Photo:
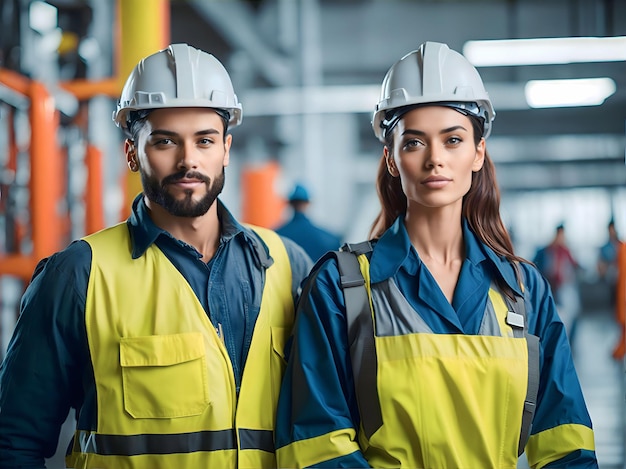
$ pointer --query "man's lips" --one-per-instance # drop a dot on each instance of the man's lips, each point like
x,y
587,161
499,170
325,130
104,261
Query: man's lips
x,y
187,183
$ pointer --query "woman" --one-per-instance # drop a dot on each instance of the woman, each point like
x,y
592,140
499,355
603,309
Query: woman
x,y
452,371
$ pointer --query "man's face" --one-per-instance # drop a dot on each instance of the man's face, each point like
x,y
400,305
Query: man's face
x,y
182,153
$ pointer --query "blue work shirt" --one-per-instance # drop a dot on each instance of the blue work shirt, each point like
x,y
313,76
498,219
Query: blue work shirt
x,y
318,397
315,240
48,369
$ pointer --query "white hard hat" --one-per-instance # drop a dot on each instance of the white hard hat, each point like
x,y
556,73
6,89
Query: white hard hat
x,y
179,76
431,74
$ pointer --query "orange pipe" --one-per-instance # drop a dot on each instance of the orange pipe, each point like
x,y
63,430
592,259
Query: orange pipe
x,y
261,205
15,81
94,213
11,165
46,173
46,176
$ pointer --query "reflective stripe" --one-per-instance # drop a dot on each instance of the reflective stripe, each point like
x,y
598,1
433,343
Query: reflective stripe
x,y
554,443
312,451
394,315
495,324
256,439
133,445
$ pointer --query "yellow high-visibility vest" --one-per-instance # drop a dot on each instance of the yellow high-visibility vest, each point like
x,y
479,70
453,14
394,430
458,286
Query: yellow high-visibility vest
x,y
165,387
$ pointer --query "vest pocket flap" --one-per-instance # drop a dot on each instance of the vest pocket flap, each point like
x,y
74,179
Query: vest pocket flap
x,y
161,350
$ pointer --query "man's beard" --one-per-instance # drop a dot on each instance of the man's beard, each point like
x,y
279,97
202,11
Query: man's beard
x,y
157,192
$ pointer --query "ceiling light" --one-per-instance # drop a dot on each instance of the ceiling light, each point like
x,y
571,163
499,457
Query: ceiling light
x,y
567,93
558,50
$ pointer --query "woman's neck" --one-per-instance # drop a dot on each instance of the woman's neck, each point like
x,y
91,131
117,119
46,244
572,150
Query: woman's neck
x,y
437,236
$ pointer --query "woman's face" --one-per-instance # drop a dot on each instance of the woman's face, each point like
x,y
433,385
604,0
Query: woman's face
x,y
434,155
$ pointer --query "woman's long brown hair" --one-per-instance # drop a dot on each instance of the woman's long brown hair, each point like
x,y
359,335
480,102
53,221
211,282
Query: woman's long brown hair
x,y
481,205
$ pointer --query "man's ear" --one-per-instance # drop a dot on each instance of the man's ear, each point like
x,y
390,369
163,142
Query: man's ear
x,y
131,155
227,143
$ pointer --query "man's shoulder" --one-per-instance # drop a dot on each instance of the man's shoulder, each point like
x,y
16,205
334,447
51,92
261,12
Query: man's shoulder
x,y
76,257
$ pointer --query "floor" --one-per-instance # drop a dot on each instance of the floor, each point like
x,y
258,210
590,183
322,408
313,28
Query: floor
x,y
603,381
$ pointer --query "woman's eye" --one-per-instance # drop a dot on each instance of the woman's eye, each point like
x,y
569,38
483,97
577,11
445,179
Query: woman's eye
x,y
454,140
412,143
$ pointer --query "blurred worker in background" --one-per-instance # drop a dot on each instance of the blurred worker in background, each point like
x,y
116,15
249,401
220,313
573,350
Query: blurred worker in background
x,y
558,265
607,260
315,240
462,349
166,332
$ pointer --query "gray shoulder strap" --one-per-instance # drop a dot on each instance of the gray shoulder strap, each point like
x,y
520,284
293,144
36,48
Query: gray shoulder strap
x,y
360,336
516,318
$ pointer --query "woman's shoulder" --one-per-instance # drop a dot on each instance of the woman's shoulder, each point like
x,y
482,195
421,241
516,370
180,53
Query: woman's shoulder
x,y
532,277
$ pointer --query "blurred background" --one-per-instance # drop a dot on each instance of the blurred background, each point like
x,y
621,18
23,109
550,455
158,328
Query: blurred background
x,y
308,74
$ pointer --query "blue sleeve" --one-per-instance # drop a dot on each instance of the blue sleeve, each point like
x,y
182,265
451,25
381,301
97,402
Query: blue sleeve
x,y
41,375
300,262
317,396
561,407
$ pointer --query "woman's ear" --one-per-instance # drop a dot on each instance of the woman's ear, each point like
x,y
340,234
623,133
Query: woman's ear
x,y
479,158
391,164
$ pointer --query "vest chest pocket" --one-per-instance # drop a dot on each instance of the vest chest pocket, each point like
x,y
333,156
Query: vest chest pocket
x,y
164,376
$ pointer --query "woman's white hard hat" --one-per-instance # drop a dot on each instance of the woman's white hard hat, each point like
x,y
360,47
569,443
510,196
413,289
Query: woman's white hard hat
x,y
179,76
432,74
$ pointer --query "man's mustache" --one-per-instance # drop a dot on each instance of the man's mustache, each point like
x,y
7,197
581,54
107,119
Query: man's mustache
x,y
173,178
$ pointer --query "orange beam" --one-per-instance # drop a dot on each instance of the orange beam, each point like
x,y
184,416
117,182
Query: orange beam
x,y
87,89
18,265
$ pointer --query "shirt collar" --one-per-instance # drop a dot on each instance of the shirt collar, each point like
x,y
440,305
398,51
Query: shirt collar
x,y
393,250
478,252
144,232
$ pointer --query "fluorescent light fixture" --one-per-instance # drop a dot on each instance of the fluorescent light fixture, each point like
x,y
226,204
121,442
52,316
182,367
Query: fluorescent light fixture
x,y
541,51
568,93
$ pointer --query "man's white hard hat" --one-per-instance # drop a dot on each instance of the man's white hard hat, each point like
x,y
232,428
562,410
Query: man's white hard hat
x,y
179,76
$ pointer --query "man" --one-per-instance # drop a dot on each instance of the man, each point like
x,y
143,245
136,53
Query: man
x,y
607,260
558,265
166,332
315,240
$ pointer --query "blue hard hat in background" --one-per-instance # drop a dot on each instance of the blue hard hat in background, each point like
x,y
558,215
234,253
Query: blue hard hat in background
x,y
299,193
